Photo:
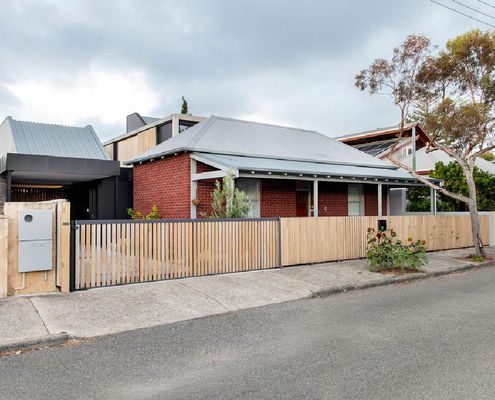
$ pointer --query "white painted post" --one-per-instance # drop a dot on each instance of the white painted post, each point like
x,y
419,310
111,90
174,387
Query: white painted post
x,y
380,211
175,125
194,188
315,198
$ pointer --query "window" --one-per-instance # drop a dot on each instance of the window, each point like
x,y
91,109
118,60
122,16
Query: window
x,y
183,125
252,189
356,200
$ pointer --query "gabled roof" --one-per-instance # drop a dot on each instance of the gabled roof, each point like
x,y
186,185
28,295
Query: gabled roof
x,y
230,136
34,138
373,132
425,161
382,147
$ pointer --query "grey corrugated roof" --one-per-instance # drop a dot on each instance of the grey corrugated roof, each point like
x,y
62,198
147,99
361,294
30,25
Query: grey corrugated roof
x,y
302,167
236,137
54,140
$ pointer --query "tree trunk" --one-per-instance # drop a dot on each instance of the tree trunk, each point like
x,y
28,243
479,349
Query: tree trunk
x,y
475,218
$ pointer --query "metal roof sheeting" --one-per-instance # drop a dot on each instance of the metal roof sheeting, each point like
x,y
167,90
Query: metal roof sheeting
x,y
266,165
55,140
244,138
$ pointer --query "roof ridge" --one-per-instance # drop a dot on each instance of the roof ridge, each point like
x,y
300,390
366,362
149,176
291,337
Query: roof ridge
x,y
202,130
268,124
386,128
48,123
97,140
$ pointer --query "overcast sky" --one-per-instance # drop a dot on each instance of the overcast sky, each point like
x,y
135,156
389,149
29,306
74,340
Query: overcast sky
x,y
285,62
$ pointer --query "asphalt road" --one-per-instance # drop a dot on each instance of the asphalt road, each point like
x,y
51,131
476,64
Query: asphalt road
x,y
431,339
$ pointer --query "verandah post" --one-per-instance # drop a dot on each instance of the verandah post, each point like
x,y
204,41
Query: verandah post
x,y
315,198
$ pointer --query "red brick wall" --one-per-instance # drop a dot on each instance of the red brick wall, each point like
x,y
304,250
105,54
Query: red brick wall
x,y
371,200
166,183
332,199
201,167
277,198
203,192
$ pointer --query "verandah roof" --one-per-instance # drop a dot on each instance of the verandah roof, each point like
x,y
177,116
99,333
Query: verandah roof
x,y
323,170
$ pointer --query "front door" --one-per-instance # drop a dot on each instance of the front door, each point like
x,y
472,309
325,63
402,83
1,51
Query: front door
x,y
302,203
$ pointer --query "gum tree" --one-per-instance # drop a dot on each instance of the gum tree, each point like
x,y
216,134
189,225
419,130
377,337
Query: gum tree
x,y
452,93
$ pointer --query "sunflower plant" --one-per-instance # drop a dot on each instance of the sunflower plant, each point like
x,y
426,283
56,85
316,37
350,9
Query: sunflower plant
x,y
387,252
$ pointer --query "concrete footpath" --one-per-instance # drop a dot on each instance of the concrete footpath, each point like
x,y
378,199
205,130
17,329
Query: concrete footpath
x,y
54,317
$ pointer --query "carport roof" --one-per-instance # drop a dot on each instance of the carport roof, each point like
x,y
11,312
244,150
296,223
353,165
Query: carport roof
x,y
35,138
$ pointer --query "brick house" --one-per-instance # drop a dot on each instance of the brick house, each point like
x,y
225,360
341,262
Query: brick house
x,y
286,172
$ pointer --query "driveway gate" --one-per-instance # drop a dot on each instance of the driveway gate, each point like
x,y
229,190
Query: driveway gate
x,y
117,252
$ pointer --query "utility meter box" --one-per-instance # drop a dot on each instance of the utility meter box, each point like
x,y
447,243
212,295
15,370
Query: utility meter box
x,y
35,240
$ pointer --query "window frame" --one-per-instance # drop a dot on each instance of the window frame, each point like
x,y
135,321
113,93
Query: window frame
x,y
360,202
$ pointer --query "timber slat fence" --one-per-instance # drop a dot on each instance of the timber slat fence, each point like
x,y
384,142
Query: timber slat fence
x,y
310,240
118,252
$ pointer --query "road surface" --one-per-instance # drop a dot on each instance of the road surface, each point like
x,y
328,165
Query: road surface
x,y
431,339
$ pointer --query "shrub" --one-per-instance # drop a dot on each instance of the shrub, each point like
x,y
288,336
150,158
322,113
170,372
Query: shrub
x,y
154,214
228,201
386,252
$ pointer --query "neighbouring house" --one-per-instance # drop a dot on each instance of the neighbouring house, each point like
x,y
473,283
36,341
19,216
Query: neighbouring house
x,y
381,142
40,162
144,133
412,150
426,160
286,172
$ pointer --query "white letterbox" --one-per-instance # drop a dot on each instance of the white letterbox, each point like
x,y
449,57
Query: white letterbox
x,y
35,240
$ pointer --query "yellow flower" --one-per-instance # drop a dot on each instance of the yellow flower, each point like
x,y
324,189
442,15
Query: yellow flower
x,y
409,239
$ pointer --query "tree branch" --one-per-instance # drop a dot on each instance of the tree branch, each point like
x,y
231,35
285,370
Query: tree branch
x,y
483,151
428,183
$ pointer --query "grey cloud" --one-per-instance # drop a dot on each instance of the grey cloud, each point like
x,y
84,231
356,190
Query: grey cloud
x,y
227,57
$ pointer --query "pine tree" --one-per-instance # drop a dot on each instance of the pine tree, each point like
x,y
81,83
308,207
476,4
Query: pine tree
x,y
184,109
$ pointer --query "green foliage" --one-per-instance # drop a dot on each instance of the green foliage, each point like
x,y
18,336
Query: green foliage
x,y
477,258
455,181
184,108
418,199
386,252
451,92
228,201
457,96
154,214
134,214
488,156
